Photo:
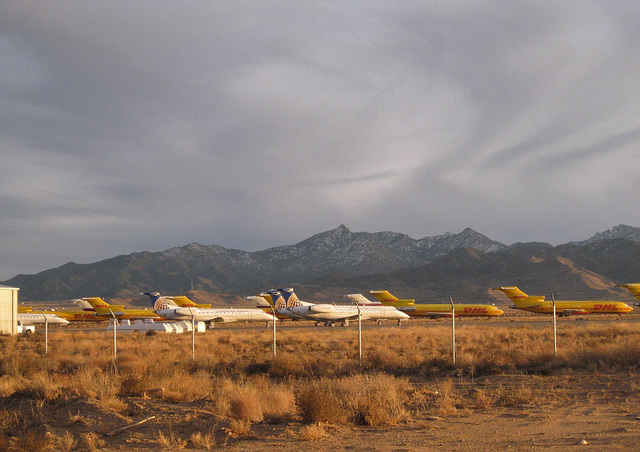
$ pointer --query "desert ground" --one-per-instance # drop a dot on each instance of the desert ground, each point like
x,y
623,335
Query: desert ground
x,y
507,391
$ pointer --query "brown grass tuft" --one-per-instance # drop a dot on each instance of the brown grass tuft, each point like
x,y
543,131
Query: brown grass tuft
x,y
170,440
245,405
66,442
238,427
205,441
312,432
318,402
93,441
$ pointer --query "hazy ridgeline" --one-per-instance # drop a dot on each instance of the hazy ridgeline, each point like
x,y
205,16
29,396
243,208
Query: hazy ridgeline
x,y
406,371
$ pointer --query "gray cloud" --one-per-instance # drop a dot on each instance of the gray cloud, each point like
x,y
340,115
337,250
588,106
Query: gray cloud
x,y
143,126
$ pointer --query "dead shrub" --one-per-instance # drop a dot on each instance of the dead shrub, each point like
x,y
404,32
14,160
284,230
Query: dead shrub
x,y
438,399
312,432
278,405
93,383
373,400
41,386
289,365
93,441
205,441
481,400
519,395
181,386
238,427
318,402
29,442
170,440
65,443
245,405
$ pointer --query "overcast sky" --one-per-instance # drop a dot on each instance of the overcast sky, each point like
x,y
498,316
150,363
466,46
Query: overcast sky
x,y
141,126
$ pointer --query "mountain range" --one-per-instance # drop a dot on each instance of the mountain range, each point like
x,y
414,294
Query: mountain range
x,y
332,263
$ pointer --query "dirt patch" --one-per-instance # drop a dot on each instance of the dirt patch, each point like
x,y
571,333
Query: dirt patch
x,y
516,412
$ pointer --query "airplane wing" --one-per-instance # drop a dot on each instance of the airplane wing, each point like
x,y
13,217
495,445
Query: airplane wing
x,y
436,315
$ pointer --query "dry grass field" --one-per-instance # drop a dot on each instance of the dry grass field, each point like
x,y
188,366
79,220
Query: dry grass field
x,y
506,391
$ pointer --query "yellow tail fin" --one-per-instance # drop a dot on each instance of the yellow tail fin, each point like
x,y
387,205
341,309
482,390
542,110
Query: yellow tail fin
x,y
97,302
634,288
387,299
516,295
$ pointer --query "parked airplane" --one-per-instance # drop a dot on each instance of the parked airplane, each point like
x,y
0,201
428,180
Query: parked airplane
x,y
432,310
287,303
38,317
165,307
71,316
634,288
104,309
563,308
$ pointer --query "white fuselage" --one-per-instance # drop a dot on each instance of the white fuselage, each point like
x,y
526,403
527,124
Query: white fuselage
x,y
329,312
215,315
28,318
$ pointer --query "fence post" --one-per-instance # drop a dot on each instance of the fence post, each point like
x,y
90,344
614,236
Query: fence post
x,y
453,330
273,313
359,334
115,337
46,334
193,335
555,329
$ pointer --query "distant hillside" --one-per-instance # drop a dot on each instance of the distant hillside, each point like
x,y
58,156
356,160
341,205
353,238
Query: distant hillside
x,y
217,269
330,264
468,275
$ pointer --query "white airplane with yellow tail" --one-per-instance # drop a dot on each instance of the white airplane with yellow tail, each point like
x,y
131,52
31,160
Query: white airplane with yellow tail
x,y
432,310
564,308
287,303
166,307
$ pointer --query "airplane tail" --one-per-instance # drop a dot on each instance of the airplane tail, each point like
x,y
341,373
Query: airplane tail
x,y
634,288
275,298
263,301
102,307
182,301
361,300
96,302
159,302
185,302
390,300
84,304
518,296
290,298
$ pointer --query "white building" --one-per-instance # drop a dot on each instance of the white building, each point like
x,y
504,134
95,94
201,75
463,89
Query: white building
x,y
8,310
